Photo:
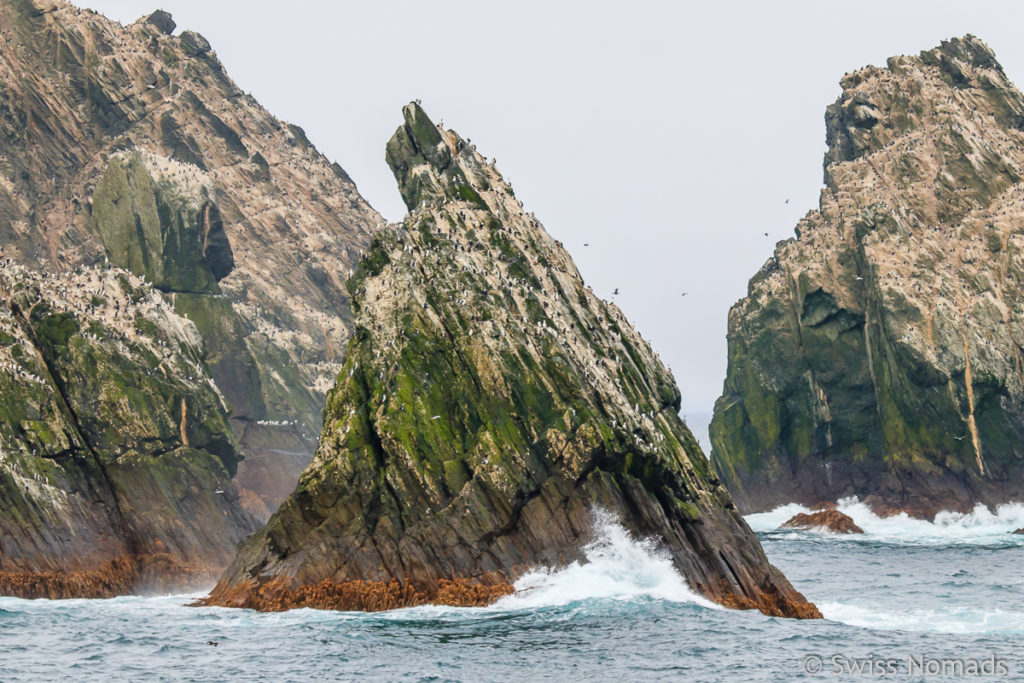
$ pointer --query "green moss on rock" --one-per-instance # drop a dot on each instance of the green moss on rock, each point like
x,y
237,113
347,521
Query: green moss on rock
x,y
173,237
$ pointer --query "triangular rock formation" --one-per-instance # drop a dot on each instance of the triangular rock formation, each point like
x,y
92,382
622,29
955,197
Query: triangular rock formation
x,y
488,403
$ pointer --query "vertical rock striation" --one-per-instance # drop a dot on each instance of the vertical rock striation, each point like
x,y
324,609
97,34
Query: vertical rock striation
x,y
878,353
487,404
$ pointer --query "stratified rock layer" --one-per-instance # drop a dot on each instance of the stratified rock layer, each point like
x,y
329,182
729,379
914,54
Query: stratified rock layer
x,y
124,142
489,402
115,451
878,354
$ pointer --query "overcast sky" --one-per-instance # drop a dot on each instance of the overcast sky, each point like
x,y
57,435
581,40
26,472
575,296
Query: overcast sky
x,y
667,135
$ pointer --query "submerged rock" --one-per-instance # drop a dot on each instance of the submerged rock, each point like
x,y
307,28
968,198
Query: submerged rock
x,y
829,520
487,404
115,452
878,354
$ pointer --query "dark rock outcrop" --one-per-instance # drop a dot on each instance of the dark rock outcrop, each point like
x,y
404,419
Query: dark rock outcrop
x,y
124,143
166,229
162,21
194,44
488,403
878,354
829,520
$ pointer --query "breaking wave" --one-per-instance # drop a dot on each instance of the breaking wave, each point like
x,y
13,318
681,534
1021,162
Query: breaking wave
x,y
622,612
981,526
616,567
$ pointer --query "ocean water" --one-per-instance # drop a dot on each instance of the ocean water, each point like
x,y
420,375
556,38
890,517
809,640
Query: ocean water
x,y
909,600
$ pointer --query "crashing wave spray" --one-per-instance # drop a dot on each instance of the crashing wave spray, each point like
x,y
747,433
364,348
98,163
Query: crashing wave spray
x,y
616,566
981,526
944,605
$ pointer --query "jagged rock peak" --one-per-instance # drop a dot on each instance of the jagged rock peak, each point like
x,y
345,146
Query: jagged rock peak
x,y
488,403
194,44
162,21
432,164
959,82
878,354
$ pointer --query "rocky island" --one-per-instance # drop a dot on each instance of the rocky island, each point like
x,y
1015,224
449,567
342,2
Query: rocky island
x,y
172,307
879,353
179,300
94,114
488,403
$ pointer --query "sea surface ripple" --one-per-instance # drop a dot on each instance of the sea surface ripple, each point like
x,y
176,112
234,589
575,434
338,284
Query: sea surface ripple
x,y
952,590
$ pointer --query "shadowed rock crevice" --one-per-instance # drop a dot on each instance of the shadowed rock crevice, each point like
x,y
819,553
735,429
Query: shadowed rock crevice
x,y
158,219
216,247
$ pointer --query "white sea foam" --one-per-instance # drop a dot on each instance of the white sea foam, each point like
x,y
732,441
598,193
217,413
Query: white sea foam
x,y
616,566
980,526
952,619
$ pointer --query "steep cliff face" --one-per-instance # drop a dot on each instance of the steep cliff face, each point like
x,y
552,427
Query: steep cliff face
x,y
489,402
115,450
878,354
93,113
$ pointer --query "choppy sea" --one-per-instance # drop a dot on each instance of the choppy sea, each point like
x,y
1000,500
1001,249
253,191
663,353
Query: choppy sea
x,y
909,600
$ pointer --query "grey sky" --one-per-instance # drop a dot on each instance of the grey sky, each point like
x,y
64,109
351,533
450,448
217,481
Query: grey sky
x,y
667,135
